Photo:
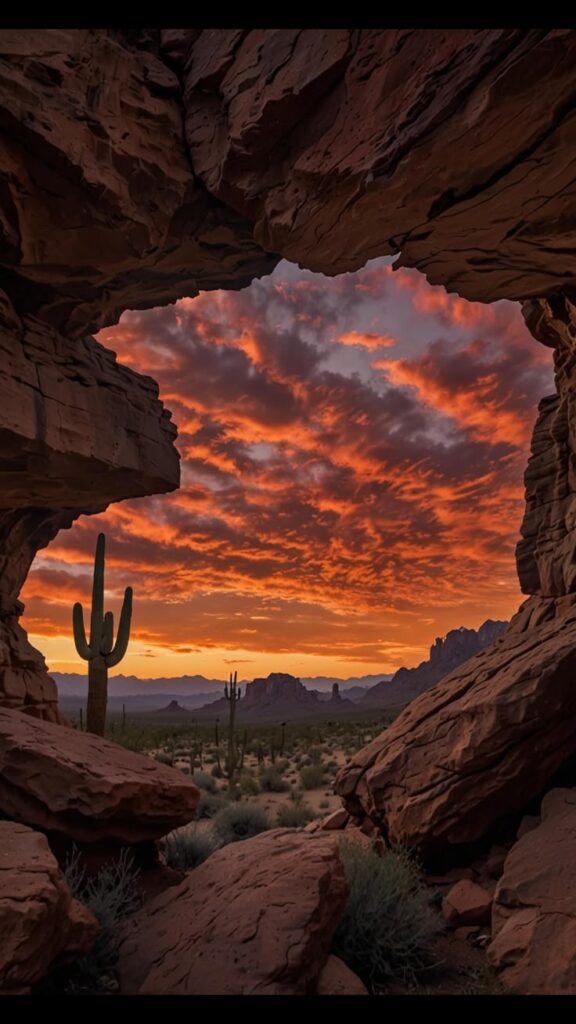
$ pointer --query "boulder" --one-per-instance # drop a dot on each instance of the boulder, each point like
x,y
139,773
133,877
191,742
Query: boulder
x,y
61,780
41,925
257,918
480,744
466,903
336,979
534,912
337,820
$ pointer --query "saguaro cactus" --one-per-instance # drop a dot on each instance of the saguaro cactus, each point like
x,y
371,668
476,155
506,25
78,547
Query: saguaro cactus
x,y
101,652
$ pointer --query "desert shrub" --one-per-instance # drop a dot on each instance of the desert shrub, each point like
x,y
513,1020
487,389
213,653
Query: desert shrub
x,y
217,772
388,925
324,804
165,758
315,755
111,895
271,781
295,795
248,784
204,781
209,804
294,815
283,766
240,821
187,848
312,776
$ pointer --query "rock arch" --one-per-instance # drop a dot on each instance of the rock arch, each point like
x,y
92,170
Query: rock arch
x,y
138,166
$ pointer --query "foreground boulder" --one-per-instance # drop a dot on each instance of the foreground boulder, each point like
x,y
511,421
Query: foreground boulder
x,y
534,912
84,787
41,925
480,744
257,918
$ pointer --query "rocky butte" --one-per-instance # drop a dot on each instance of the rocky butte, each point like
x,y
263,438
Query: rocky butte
x,y
139,166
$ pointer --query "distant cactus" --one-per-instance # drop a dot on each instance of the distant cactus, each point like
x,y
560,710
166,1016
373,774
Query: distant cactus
x,y
234,761
101,653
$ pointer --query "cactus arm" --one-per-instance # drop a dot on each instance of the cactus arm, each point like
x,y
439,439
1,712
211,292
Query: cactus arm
x,y
107,641
119,649
80,633
96,619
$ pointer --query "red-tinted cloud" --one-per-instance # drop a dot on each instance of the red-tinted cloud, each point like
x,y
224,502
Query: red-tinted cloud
x,y
353,451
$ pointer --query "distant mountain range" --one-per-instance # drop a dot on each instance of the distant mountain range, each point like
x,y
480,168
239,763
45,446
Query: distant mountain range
x,y
281,695
446,654
190,691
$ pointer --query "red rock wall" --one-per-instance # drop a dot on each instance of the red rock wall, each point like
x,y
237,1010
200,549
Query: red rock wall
x,y
546,554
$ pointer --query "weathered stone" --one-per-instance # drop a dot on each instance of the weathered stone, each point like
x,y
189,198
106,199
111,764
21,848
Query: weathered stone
x,y
478,745
345,144
41,925
257,918
337,820
336,979
449,877
61,780
534,912
466,903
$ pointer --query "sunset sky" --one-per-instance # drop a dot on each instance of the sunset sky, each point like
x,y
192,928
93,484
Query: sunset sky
x,y
352,459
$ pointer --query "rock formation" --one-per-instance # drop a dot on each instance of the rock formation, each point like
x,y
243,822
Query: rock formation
x,y
534,913
479,745
41,925
86,788
257,918
446,654
142,165
277,696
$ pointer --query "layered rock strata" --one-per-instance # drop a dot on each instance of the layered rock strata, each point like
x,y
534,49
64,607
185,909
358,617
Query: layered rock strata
x,y
85,788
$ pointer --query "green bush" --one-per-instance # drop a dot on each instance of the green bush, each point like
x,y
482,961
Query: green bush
x,y
388,926
204,781
312,776
248,784
186,848
111,896
294,815
240,821
209,804
271,781
165,758
315,755
217,771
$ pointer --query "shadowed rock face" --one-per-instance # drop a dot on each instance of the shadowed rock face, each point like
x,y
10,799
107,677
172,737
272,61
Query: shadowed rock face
x,y
141,165
534,912
40,923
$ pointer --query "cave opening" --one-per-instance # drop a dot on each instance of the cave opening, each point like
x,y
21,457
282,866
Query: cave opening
x,y
352,456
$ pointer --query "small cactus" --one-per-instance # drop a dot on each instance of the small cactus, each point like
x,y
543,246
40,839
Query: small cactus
x,y
101,653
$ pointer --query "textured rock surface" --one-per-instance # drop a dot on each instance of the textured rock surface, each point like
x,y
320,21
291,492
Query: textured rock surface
x,y
446,654
534,913
336,979
467,903
546,554
40,923
58,779
77,431
257,918
481,743
345,144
